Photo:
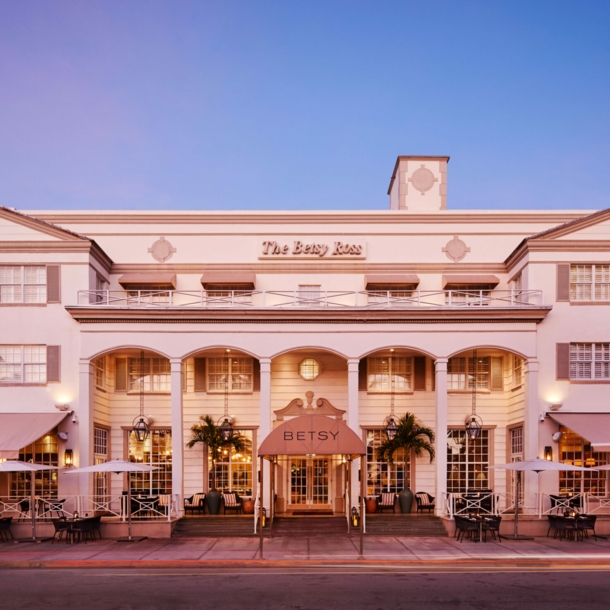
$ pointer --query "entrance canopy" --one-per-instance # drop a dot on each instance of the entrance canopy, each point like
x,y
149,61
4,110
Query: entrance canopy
x,y
18,430
594,427
312,435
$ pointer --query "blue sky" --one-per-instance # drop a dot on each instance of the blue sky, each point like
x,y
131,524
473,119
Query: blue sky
x,y
284,104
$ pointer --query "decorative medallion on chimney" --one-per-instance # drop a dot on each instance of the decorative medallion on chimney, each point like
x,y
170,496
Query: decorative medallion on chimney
x,y
422,179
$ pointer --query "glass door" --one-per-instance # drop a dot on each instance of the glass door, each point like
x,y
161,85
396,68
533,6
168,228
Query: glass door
x,y
309,482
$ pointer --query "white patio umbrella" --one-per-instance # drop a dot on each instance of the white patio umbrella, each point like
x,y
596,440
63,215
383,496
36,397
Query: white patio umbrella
x,y
117,466
18,466
538,465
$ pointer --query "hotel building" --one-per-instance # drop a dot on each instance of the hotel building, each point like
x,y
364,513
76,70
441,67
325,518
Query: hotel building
x,y
265,316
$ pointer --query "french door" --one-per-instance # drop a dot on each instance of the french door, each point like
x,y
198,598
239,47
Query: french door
x,y
309,482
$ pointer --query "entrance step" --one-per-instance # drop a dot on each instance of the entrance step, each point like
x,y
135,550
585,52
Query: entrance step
x,y
405,525
214,526
309,526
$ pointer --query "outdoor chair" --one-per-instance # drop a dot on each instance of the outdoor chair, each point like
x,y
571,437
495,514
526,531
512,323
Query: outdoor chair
x,y
231,501
564,528
5,529
586,524
95,526
61,527
465,526
82,528
386,500
492,525
424,501
24,509
195,503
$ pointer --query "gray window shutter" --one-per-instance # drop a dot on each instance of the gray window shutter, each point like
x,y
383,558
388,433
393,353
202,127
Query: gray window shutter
x,y
362,385
120,381
200,375
434,376
497,373
53,284
563,282
563,361
53,363
256,379
419,373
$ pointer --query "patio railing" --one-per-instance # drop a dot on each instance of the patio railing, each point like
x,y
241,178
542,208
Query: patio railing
x,y
257,299
151,508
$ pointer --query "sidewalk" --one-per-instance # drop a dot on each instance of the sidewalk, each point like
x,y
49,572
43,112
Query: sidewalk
x,y
243,552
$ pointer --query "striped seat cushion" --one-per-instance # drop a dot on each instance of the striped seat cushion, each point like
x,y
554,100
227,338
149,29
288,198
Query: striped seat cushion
x,y
231,500
197,499
387,499
424,499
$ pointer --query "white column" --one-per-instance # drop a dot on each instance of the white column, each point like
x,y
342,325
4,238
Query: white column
x,y
84,424
177,432
530,427
265,426
441,432
353,422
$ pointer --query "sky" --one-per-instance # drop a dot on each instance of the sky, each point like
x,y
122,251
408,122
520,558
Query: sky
x,y
292,105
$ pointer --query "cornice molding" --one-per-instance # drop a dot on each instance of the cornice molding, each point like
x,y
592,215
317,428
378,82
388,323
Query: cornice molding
x,y
554,245
39,225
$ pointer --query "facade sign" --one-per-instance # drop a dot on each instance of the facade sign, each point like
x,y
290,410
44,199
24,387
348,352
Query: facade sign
x,y
302,248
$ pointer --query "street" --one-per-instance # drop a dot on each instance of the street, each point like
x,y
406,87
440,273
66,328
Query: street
x,y
305,588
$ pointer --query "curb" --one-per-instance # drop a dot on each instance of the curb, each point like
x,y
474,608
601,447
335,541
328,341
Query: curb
x,y
521,563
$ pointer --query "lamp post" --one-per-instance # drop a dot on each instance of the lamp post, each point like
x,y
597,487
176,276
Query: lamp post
x,y
391,427
140,426
473,424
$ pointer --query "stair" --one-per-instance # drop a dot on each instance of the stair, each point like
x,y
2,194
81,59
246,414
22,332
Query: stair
x,y
214,526
405,525
309,526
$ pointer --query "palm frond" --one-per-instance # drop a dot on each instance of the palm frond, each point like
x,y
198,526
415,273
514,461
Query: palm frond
x,y
411,436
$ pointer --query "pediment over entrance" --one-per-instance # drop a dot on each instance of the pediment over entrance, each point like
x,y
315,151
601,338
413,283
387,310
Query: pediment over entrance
x,y
296,408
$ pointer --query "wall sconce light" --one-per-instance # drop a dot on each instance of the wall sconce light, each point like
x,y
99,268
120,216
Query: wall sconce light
x,y
68,458
62,407
548,454
556,406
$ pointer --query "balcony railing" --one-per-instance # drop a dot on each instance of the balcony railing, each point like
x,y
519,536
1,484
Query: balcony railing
x,y
270,299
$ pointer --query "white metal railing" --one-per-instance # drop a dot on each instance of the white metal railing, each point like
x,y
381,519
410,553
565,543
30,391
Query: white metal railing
x,y
161,507
488,502
256,299
549,504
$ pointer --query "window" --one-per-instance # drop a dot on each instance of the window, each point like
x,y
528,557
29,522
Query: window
x,y
471,295
43,451
589,282
100,373
575,450
234,468
156,375
233,374
100,456
23,284
516,455
23,364
517,371
589,360
309,295
389,373
467,461
392,294
309,369
151,294
382,476
458,378
156,450
226,294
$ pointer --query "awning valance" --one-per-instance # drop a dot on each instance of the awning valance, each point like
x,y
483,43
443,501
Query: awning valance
x,y
245,281
312,435
391,280
18,430
143,281
594,427
470,280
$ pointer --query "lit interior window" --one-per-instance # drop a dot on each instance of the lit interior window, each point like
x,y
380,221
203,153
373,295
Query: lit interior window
x,y
309,369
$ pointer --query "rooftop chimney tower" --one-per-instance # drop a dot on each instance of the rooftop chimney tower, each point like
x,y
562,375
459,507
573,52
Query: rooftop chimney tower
x,y
419,184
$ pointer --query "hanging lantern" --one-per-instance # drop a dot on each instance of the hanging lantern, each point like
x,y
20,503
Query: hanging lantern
x,y
473,427
391,427
355,517
226,429
140,429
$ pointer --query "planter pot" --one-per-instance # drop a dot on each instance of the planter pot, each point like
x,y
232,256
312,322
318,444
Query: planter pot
x,y
371,505
212,499
405,497
247,506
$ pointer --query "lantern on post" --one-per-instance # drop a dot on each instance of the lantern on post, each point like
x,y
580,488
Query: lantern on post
x,y
473,424
140,425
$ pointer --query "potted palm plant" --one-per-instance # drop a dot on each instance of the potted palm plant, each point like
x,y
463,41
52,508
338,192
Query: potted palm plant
x,y
209,434
410,436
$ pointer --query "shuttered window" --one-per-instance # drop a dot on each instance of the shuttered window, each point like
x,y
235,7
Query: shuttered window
x,y
53,363
23,364
120,382
563,282
53,284
419,373
489,373
589,282
23,284
233,374
200,375
589,361
390,373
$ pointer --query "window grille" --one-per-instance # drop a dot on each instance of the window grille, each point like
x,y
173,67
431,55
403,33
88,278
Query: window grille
x,y
473,295
467,461
461,378
234,468
23,364
382,476
575,450
100,373
309,295
382,371
589,282
156,450
239,374
156,373
43,451
23,284
589,361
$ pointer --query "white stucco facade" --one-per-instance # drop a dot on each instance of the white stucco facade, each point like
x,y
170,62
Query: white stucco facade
x,y
419,286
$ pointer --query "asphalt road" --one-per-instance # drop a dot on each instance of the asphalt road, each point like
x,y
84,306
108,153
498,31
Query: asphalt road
x,y
303,589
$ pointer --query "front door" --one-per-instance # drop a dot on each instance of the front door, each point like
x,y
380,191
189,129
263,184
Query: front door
x,y
309,484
